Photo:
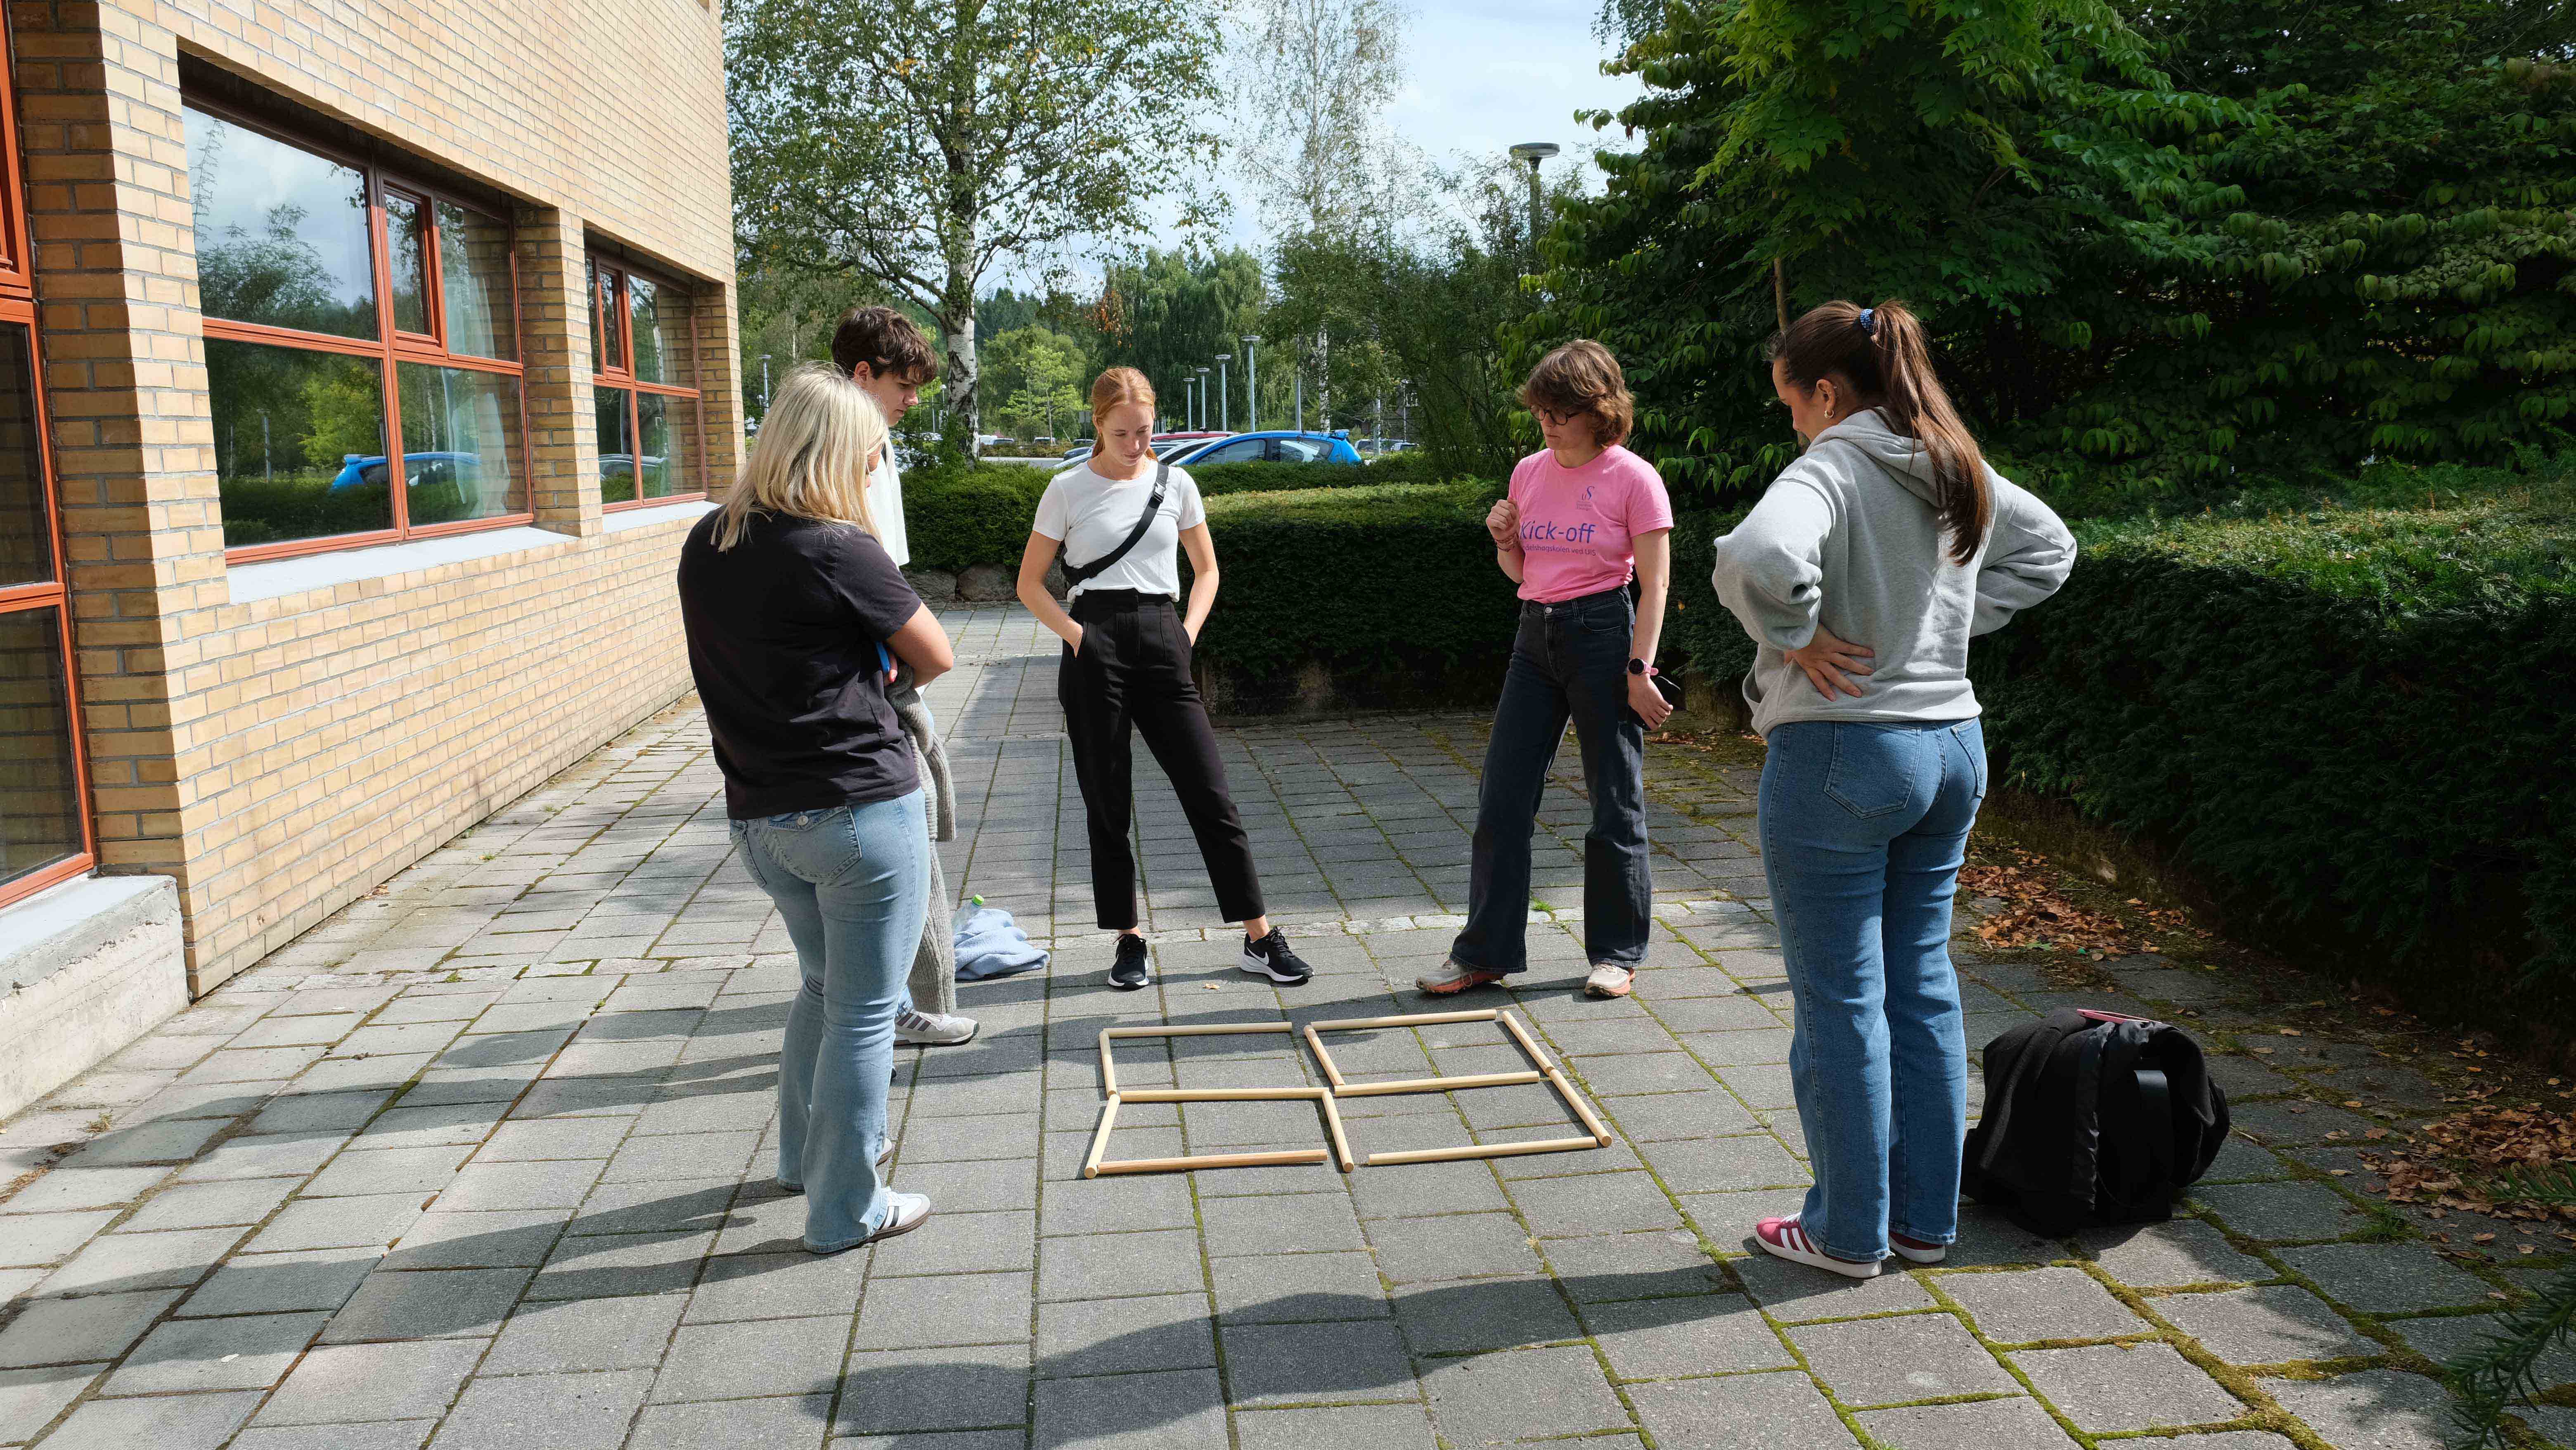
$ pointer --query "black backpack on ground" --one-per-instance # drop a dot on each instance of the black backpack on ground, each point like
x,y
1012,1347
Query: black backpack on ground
x,y
2092,1118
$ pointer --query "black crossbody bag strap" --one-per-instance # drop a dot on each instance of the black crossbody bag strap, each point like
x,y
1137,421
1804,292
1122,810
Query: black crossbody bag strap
x,y
1085,573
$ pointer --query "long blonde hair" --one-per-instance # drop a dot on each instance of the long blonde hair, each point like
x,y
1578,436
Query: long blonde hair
x,y
811,458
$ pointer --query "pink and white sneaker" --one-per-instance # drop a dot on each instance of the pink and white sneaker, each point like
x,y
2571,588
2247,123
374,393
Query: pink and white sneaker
x,y
1786,1238
1917,1251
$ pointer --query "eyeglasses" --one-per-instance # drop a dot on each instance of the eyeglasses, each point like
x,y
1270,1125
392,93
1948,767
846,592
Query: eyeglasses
x,y
1555,419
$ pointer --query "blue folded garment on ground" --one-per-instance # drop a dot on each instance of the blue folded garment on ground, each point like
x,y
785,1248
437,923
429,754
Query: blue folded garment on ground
x,y
990,944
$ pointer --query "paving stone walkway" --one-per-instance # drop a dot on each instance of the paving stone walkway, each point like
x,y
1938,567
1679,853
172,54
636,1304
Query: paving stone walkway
x,y
484,1162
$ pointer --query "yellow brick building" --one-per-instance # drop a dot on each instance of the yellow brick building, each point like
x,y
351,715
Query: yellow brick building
x,y
361,368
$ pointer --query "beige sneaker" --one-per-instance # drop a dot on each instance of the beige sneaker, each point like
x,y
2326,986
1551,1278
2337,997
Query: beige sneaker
x,y
1453,977
1609,981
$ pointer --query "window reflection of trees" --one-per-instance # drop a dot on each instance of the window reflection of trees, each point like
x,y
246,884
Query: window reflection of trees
x,y
276,270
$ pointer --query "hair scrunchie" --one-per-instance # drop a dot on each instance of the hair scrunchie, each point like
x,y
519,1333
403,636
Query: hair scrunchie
x,y
1868,321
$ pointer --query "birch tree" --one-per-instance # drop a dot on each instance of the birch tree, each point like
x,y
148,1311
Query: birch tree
x,y
926,144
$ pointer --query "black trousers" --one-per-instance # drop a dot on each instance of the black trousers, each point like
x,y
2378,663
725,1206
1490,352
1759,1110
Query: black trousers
x,y
1134,669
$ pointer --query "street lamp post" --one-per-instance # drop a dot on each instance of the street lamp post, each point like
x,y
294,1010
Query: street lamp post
x,y
1251,382
1534,152
764,385
1203,400
1224,399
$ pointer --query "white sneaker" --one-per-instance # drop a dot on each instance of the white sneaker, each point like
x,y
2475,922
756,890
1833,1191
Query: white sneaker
x,y
904,1213
1609,981
933,1029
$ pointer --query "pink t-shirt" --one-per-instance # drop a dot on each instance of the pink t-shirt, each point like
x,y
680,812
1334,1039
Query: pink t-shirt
x,y
1577,523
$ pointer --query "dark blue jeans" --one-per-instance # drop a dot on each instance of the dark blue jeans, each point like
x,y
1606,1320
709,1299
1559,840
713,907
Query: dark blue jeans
x,y
1569,661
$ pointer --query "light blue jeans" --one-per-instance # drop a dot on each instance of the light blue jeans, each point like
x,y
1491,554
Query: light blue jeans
x,y
1863,830
852,883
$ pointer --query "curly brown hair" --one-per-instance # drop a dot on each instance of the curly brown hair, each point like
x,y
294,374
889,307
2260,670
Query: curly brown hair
x,y
1582,377
887,341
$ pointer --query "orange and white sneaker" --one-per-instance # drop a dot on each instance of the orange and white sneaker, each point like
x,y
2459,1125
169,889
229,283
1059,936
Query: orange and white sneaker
x,y
1452,977
1609,980
1786,1238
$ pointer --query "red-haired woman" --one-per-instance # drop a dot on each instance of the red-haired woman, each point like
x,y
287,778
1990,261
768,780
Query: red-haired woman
x,y
1120,518
1861,575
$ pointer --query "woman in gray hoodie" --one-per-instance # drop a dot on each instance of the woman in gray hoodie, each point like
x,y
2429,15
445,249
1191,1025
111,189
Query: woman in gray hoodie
x,y
1861,575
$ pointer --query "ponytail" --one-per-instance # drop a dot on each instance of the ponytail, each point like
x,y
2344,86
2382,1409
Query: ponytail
x,y
1880,354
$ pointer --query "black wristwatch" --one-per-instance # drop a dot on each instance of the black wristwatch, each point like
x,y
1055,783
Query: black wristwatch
x,y
1637,666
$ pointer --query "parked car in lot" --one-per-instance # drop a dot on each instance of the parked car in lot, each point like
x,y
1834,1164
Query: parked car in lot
x,y
1279,447
1079,451
358,471
1168,445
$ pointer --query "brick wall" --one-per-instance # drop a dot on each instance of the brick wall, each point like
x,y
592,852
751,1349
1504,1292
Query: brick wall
x,y
281,757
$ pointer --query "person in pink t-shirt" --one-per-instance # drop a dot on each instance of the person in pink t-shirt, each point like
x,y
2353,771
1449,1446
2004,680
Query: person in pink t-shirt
x,y
1582,519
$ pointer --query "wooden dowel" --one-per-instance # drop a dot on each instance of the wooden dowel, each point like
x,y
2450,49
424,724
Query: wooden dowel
x,y
1333,1125
1213,1160
1222,1095
1537,1054
1212,1029
1481,1150
1582,1109
1437,1084
1418,1019
1100,1137
1108,1068
1332,1074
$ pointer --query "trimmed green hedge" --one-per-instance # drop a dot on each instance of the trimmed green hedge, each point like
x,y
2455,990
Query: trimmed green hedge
x,y
2353,726
1367,578
961,514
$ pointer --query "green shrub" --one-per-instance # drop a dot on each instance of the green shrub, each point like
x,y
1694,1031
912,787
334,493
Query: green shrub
x,y
1414,466
2351,725
1365,578
957,514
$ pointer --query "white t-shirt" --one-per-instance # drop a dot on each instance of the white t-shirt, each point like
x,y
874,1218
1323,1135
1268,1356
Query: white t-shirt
x,y
1091,515
885,505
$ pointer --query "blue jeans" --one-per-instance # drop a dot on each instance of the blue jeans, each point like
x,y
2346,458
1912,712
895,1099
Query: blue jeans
x,y
1569,661
1863,830
852,883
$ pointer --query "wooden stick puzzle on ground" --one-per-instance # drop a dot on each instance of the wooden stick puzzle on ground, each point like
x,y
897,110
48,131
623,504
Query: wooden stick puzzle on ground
x,y
1543,1069
1093,1165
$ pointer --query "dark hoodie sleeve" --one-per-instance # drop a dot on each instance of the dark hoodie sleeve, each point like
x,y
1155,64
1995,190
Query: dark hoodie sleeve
x,y
2029,553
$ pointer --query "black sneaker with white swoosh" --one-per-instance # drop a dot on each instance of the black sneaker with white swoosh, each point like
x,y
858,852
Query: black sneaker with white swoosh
x,y
1269,957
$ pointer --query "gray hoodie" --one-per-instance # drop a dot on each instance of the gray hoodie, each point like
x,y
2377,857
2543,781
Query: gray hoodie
x,y
1846,538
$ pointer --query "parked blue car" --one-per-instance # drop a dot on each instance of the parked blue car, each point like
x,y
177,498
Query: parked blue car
x,y
1280,447
360,471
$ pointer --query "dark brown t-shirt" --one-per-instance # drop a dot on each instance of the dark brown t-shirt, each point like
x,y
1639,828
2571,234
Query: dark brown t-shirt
x,y
783,632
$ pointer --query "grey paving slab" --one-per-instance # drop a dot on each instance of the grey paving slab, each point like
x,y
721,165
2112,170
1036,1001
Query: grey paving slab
x,y
1181,1409
762,1358
1684,1335
49,1238
586,1334
2002,1424
250,1352
1495,1398
2374,1410
1336,1427
1890,1361
2133,1387
73,1331
2019,1306
121,1261
2388,1278
2167,1255
545,1412
163,1422
795,1422
373,1382
1740,1412
31,1397
2272,1324
428,1304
